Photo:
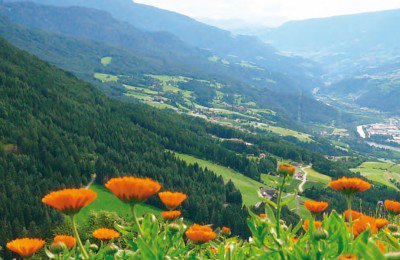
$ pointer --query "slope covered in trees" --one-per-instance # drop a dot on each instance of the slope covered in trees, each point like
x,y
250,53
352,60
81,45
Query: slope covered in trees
x,y
56,130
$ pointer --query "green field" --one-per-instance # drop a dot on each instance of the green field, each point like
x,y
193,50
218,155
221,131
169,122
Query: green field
x,y
107,201
380,172
106,60
313,175
247,186
105,77
286,132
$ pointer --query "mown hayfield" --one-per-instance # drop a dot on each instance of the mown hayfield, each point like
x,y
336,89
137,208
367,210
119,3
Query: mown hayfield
x,y
247,186
380,172
106,61
105,77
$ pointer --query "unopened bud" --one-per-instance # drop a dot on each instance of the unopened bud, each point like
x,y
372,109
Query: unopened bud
x,y
112,249
57,247
321,234
94,247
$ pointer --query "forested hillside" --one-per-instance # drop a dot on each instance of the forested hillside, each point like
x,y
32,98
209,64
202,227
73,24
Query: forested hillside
x,y
55,131
233,48
82,56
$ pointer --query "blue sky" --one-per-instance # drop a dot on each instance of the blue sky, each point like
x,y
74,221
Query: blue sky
x,y
270,12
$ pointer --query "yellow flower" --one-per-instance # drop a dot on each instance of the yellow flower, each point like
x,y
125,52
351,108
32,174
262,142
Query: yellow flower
x,y
172,199
316,206
200,234
349,185
69,201
25,247
133,190
105,234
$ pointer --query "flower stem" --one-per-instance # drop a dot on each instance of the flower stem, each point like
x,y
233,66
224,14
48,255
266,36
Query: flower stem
x,y
349,214
140,231
278,208
78,239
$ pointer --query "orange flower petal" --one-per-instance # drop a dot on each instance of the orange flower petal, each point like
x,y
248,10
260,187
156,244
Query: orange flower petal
x,y
381,222
354,215
363,223
349,185
316,206
172,199
69,241
105,234
226,230
200,234
392,206
69,201
25,247
132,189
317,224
286,169
171,214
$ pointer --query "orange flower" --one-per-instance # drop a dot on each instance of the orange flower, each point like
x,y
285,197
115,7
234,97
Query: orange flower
x,y
200,234
381,222
381,246
347,257
105,234
226,231
392,206
171,214
286,169
349,185
317,224
214,250
316,206
25,247
364,222
69,241
354,215
69,201
133,190
294,240
172,199
262,215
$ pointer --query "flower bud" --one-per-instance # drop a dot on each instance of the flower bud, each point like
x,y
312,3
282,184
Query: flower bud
x,y
57,247
112,249
94,247
286,170
226,231
396,235
321,234
393,227
174,227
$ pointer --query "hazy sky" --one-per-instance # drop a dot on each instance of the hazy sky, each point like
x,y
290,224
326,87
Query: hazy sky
x,y
268,12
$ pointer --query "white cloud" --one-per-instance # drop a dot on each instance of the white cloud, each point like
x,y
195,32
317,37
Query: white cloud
x,y
260,11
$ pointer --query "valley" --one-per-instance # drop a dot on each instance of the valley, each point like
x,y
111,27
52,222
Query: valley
x,y
116,88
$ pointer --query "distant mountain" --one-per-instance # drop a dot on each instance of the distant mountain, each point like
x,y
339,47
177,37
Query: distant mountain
x,y
233,48
71,46
377,87
342,44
